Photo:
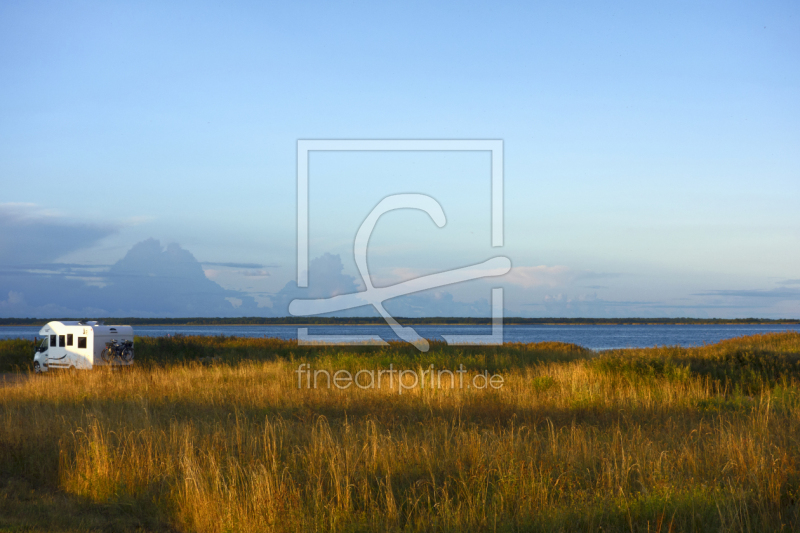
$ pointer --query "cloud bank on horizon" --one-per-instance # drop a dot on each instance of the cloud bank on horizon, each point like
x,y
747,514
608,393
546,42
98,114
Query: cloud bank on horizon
x,y
155,280
152,280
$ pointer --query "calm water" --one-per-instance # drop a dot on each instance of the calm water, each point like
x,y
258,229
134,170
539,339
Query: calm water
x,y
593,337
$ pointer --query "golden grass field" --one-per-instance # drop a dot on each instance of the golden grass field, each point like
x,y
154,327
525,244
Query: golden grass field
x,y
660,439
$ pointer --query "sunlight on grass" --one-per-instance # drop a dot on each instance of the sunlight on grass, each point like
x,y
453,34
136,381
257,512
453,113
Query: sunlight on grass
x,y
213,434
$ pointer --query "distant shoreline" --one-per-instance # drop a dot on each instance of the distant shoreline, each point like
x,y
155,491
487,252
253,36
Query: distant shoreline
x,y
432,321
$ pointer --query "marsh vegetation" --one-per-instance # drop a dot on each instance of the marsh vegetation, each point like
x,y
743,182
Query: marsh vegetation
x,y
213,434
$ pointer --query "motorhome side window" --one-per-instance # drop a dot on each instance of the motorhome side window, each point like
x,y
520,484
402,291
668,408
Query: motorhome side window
x,y
61,340
69,339
81,342
53,341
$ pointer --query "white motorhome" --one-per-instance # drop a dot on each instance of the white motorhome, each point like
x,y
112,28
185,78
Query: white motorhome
x,y
80,345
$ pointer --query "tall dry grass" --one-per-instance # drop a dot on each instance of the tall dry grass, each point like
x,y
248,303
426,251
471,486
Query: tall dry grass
x,y
664,439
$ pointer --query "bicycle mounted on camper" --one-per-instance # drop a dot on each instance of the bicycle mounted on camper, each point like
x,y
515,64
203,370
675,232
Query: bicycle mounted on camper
x,y
120,351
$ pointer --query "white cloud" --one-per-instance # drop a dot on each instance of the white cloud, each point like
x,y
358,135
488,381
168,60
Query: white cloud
x,y
211,273
14,298
235,302
31,234
150,280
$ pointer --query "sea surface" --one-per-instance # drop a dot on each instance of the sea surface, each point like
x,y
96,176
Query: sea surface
x,y
592,337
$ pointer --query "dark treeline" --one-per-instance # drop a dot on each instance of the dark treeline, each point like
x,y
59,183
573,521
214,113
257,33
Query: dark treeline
x,y
324,321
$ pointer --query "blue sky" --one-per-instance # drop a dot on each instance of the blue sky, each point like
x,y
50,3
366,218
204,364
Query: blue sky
x,y
651,161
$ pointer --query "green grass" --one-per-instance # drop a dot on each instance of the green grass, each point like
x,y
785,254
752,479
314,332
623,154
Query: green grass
x,y
16,355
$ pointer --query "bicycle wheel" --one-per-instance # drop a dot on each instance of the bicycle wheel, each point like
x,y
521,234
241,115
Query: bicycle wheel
x,y
127,355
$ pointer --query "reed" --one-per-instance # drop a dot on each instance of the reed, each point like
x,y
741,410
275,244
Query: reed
x,y
213,434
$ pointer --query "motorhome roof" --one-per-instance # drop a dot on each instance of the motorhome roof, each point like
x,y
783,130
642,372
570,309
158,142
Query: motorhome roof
x,y
83,323
97,326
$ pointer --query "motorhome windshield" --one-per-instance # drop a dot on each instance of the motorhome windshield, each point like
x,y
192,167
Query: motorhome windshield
x,y
43,345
